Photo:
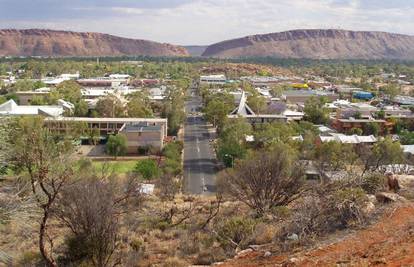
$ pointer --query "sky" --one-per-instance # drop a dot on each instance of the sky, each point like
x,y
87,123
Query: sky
x,y
202,22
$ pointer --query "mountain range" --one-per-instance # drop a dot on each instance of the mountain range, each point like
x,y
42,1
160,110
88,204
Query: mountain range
x,y
37,42
317,44
310,44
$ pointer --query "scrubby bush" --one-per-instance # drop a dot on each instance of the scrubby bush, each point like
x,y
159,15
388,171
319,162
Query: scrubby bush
x,y
334,207
29,258
235,232
373,183
147,168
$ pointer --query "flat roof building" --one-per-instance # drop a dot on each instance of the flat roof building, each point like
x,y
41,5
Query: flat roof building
x,y
10,108
219,79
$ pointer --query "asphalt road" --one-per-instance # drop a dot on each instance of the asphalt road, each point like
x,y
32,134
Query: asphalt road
x,y
199,159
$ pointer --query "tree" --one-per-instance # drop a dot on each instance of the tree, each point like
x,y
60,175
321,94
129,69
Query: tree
x,y
48,163
267,134
334,156
148,168
23,85
384,152
110,106
92,209
94,135
315,111
232,141
257,103
173,110
371,128
116,145
139,106
266,180
38,84
356,131
69,91
38,101
2,99
406,137
81,109
391,90
216,113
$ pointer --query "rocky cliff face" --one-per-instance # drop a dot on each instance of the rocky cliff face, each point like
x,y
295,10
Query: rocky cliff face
x,y
35,42
318,44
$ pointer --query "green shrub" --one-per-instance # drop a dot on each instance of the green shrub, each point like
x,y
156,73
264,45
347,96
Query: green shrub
x,y
373,183
29,258
148,168
236,230
116,145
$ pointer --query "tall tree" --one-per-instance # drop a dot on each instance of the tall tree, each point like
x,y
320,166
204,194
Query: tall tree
x,y
110,106
139,106
48,163
315,111
116,145
266,180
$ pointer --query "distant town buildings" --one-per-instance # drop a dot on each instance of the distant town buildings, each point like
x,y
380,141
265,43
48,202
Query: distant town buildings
x,y
10,108
219,79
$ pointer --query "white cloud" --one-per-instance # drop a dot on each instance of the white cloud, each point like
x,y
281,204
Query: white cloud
x,y
208,21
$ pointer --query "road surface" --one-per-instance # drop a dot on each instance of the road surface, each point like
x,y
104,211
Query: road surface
x,y
199,159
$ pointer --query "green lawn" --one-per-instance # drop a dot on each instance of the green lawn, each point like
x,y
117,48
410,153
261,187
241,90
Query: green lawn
x,y
119,167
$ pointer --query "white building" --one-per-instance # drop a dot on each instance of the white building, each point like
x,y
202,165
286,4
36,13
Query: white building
x,y
10,108
219,79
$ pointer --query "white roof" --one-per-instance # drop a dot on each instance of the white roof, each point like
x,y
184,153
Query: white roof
x,y
292,113
348,139
408,149
147,189
119,76
10,108
249,138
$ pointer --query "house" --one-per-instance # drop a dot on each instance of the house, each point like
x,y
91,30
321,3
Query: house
x,y
301,96
26,97
219,79
346,125
363,95
142,134
10,108
404,100
347,139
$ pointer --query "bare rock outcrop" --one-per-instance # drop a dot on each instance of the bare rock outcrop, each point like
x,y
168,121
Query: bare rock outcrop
x,y
317,44
36,42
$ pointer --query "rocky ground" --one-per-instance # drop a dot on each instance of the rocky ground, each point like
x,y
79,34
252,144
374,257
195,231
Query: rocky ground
x,y
389,242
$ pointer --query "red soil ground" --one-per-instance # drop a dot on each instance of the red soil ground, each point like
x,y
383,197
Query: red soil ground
x,y
389,242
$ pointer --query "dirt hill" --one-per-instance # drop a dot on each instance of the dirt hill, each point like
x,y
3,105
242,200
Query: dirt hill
x,y
34,42
389,242
317,44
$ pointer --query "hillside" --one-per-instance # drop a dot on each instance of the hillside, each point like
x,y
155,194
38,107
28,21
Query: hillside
x,y
317,44
195,50
389,242
34,42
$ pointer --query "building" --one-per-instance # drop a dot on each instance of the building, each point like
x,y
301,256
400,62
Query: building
x,y
346,125
213,79
301,96
26,97
139,132
404,100
243,110
363,95
142,134
103,81
10,108
347,139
